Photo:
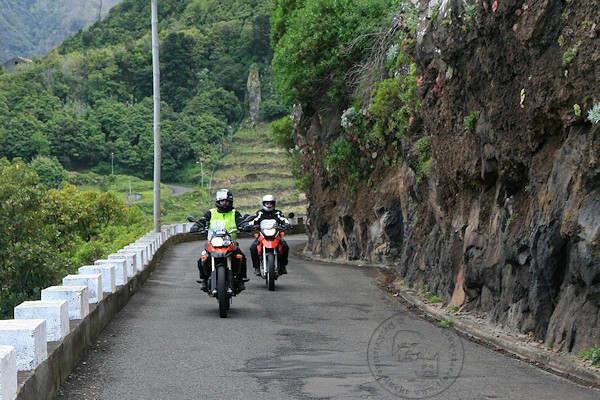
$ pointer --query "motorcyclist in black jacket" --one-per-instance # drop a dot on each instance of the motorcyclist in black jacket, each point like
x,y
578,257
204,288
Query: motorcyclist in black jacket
x,y
268,211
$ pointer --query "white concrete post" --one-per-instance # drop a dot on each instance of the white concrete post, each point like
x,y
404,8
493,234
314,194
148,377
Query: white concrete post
x,y
136,252
55,312
8,373
149,242
93,283
144,248
120,270
106,271
179,228
129,261
28,337
76,296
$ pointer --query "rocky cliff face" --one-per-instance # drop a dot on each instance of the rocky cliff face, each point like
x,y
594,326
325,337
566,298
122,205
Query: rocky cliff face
x,y
508,221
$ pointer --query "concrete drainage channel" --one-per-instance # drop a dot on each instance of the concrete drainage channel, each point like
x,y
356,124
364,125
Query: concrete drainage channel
x,y
47,338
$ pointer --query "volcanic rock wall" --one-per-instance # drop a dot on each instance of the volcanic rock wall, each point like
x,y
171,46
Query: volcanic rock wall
x,y
507,222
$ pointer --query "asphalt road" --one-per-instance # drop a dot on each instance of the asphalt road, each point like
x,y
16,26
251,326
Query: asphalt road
x,y
326,332
179,189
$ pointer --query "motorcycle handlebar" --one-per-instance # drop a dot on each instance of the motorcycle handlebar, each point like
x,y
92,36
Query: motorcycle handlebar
x,y
205,231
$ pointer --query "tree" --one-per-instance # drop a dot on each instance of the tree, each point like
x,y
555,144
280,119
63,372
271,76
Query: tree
x,y
50,171
27,259
24,138
318,41
178,66
217,102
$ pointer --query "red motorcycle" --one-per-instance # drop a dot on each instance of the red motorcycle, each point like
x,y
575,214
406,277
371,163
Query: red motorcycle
x,y
269,245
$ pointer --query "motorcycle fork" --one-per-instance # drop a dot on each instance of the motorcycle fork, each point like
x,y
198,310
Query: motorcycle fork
x,y
213,277
263,262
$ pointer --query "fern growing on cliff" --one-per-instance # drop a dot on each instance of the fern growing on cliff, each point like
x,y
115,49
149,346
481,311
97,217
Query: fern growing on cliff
x,y
470,120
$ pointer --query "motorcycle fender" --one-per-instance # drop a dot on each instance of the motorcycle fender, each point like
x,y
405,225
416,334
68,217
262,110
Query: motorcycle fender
x,y
271,245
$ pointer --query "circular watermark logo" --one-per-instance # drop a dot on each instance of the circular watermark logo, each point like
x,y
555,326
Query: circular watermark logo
x,y
407,364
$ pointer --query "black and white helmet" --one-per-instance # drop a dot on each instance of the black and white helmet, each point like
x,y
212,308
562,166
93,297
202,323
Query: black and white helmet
x,y
224,206
268,202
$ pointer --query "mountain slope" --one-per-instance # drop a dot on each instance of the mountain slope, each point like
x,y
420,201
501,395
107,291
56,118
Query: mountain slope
x,y
32,28
253,167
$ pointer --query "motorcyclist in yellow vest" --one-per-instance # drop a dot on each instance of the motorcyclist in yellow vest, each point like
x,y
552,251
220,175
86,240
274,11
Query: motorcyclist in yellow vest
x,y
223,213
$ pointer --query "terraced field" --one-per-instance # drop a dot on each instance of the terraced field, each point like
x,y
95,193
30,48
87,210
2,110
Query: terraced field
x,y
253,167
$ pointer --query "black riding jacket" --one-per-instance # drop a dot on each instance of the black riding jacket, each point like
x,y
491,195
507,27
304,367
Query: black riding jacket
x,y
275,214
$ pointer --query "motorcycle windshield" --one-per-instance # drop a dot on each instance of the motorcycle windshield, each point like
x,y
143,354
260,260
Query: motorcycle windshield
x,y
268,224
268,227
218,229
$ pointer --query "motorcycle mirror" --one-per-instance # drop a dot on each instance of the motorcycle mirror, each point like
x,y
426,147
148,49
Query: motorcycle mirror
x,y
291,215
192,219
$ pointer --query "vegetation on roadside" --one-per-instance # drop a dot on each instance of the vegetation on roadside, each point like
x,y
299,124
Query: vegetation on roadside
x,y
48,233
592,354
447,323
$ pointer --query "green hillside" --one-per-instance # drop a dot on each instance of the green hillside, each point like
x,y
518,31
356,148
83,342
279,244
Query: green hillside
x,y
89,103
252,167
32,28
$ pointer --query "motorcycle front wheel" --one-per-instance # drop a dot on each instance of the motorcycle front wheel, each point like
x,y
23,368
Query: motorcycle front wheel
x,y
271,271
222,296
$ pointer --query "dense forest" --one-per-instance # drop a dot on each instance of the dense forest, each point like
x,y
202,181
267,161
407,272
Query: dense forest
x,y
89,102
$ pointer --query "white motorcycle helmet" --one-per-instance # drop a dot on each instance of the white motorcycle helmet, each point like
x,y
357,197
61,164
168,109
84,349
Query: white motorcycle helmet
x,y
269,198
224,194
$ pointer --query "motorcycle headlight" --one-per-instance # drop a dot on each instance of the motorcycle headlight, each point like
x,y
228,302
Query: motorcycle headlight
x,y
269,231
217,241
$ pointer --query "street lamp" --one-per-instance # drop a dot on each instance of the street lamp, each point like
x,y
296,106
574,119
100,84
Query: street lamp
x,y
112,163
156,95
201,172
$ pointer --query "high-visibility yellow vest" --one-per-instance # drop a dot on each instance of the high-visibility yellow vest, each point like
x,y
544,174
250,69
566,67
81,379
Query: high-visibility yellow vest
x,y
223,221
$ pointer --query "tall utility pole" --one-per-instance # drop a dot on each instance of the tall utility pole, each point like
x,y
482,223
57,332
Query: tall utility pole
x,y
156,91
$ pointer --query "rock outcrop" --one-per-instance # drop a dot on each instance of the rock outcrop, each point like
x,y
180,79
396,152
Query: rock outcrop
x,y
253,87
508,221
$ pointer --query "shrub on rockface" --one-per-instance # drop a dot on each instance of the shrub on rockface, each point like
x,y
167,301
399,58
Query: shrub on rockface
x,y
393,101
594,114
342,161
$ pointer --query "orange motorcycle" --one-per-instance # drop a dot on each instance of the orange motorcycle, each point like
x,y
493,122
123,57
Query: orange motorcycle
x,y
269,245
225,265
